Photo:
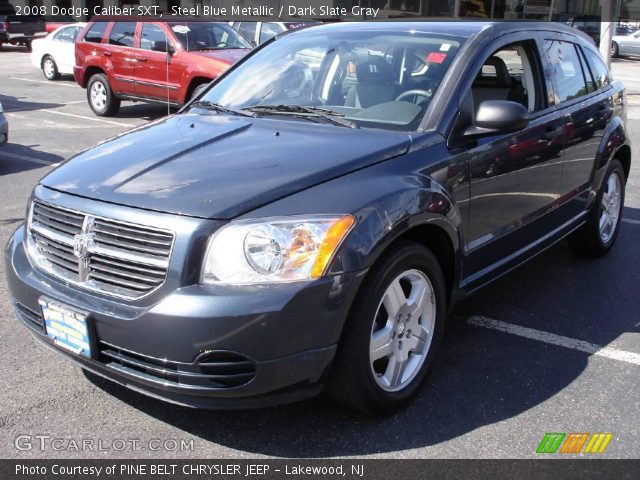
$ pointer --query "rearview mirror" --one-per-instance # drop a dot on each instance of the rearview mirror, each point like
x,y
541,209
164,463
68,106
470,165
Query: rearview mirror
x,y
498,116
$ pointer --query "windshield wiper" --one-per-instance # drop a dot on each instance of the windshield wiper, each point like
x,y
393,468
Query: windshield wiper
x,y
336,118
220,109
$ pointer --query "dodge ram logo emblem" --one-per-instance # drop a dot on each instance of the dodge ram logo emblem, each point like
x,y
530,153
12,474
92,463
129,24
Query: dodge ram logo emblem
x,y
81,244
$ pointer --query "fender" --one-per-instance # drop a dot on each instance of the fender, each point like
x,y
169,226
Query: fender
x,y
613,139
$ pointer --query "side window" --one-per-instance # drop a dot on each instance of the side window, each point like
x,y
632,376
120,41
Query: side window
x,y
248,30
66,35
122,34
269,30
598,69
566,70
152,33
510,73
96,32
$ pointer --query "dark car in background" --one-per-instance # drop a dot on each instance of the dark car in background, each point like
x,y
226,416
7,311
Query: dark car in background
x,y
310,220
154,61
19,29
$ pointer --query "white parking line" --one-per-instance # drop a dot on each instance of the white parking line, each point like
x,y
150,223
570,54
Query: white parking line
x,y
631,221
92,119
16,156
58,84
559,340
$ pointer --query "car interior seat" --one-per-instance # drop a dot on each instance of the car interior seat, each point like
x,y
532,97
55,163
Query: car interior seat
x,y
376,84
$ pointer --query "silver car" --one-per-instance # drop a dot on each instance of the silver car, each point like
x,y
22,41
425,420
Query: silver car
x,y
4,127
626,44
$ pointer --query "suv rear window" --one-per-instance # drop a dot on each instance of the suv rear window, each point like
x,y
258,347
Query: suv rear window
x,y
122,34
598,69
96,32
566,70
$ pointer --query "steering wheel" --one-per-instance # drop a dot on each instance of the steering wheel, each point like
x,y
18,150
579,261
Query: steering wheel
x,y
415,93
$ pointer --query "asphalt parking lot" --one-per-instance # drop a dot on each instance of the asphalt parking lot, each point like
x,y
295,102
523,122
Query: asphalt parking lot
x,y
552,347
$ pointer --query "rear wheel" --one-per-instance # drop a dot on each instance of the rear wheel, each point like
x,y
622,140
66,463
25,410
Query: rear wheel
x,y
49,68
392,333
614,50
101,98
596,237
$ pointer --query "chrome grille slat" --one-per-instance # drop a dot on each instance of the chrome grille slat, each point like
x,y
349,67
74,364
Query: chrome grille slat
x,y
106,255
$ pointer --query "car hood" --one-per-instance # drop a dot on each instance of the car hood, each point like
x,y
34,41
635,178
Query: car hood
x,y
230,56
219,166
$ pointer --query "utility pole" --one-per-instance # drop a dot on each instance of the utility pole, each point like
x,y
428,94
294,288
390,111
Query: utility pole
x,y
608,18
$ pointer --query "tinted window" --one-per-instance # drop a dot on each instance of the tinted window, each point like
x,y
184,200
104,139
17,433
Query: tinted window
x,y
247,30
151,33
202,36
122,34
565,70
598,69
96,32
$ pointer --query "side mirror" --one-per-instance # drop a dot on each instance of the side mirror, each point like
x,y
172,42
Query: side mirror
x,y
498,116
163,46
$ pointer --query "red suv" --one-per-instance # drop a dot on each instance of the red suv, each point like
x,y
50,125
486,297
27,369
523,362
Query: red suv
x,y
152,61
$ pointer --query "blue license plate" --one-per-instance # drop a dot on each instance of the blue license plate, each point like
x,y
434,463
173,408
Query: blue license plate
x,y
66,327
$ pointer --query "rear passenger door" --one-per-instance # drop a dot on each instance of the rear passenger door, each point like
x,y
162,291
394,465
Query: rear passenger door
x,y
586,109
121,55
514,178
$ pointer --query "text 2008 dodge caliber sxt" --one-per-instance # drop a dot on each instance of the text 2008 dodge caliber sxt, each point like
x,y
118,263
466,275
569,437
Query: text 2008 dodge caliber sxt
x,y
308,221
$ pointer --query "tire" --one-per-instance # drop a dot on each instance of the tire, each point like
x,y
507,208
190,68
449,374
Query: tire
x,y
27,45
101,98
198,90
592,240
364,385
49,68
615,51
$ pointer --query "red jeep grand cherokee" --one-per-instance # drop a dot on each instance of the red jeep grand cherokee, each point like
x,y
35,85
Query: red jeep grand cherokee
x,y
153,61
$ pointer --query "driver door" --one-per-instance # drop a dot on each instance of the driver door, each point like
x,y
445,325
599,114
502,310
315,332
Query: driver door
x,y
514,178
157,70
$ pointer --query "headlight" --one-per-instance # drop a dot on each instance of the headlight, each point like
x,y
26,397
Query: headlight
x,y
274,250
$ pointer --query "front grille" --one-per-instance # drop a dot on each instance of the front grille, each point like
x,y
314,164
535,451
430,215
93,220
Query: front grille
x,y
101,254
216,369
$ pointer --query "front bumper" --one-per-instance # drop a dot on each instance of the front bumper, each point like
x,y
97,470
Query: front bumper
x,y
280,340
4,129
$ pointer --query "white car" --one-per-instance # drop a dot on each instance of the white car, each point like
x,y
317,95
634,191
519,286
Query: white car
x,y
626,44
259,32
55,54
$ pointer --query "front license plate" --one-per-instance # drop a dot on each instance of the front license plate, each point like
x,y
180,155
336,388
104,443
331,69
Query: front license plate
x,y
66,327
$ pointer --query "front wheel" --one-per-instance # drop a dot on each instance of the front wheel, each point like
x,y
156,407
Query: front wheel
x,y
596,237
615,51
392,333
49,68
101,98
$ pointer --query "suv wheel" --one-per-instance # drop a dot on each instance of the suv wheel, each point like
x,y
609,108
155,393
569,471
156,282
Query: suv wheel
x,y
596,237
101,98
393,331
49,68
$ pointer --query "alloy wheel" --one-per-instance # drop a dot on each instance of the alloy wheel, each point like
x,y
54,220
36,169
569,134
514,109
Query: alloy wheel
x,y
402,331
98,95
610,206
49,68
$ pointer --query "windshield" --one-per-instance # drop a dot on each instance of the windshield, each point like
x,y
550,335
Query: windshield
x,y
196,36
375,79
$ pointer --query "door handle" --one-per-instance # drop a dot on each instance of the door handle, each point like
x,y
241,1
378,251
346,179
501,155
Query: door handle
x,y
106,54
140,58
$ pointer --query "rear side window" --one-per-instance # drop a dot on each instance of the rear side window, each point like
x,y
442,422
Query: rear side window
x,y
96,32
598,69
123,34
566,70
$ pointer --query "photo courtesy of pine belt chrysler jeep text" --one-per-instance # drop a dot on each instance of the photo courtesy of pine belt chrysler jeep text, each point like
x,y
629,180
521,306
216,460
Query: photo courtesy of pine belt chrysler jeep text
x,y
307,222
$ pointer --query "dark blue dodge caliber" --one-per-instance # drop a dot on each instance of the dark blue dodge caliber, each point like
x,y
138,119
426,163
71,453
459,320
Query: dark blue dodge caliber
x,y
307,222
